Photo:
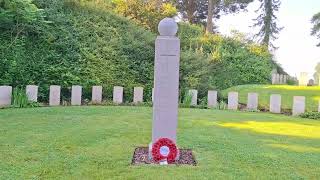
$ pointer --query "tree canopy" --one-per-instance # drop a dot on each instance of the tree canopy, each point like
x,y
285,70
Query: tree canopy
x,y
267,21
316,27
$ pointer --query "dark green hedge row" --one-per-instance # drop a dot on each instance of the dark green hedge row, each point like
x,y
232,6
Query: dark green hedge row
x,y
81,44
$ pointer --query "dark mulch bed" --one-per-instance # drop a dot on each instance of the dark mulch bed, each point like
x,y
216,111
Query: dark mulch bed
x,y
141,156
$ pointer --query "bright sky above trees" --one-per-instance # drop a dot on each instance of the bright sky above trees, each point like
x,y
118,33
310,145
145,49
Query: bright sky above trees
x,y
297,48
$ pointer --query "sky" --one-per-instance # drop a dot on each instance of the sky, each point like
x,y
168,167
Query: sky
x,y
297,48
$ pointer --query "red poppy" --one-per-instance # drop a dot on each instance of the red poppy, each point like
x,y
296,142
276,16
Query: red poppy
x,y
164,143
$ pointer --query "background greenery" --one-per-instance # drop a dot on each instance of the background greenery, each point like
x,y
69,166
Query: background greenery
x,y
85,42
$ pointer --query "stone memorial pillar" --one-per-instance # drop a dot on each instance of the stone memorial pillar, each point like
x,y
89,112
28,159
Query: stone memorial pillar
x,y
138,95
117,94
194,97
275,103
298,105
76,94
96,94
54,97
303,79
32,93
166,82
5,96
212,99
252,102
233,100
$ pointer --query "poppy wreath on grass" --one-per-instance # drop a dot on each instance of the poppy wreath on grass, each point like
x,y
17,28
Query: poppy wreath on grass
x,y
164,149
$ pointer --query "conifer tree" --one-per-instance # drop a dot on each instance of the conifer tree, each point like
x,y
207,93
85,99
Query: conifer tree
x,y
267,21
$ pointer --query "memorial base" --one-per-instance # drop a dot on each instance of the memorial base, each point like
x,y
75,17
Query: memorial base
x,y
141,156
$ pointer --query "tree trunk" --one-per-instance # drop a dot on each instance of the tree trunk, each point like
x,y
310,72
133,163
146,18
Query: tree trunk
x,y
209,28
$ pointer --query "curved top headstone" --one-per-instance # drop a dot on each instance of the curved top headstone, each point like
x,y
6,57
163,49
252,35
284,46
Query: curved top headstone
x,y
168,27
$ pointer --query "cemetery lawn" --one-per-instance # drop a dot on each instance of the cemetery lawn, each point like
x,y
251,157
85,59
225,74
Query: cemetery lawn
x,y
312,94
98,143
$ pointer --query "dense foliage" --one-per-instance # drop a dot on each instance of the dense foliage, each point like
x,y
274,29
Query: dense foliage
x,y
311,115
316,26
146,13
267,21
85,43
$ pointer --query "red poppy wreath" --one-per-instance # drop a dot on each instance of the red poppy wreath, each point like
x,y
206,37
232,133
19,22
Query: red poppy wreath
x,y
164,149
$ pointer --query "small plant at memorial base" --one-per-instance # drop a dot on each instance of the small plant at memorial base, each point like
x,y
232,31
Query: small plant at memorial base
x,y
203,103
311,115
252,110
187,100
222,105
20,99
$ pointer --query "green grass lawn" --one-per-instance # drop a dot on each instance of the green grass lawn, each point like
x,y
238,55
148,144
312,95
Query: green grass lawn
x,y
98,143
287,92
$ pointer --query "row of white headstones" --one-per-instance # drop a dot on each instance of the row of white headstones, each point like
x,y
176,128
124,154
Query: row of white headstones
x,y
76,95
76,98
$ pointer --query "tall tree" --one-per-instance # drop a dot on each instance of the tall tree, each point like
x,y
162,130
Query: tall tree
x,y
205,11
209,28
267,21
316,26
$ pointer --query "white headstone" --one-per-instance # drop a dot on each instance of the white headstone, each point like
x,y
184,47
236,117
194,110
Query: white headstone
x,y
138,95
118,94
252,103
298,105
303,79
277,78
319,106
285,80
194,97
275,103
233,100
166,82
212,99
32,93
5,96
76,94
281,79
274,78
96,94
54,97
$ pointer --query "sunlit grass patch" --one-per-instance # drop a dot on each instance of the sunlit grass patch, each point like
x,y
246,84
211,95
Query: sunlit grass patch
x,y
296,148
278,128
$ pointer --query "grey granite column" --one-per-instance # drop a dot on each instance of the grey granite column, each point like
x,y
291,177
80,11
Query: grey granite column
x,y
166,82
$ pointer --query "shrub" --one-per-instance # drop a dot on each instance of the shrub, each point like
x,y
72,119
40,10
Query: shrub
x,y
20,99
311,115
